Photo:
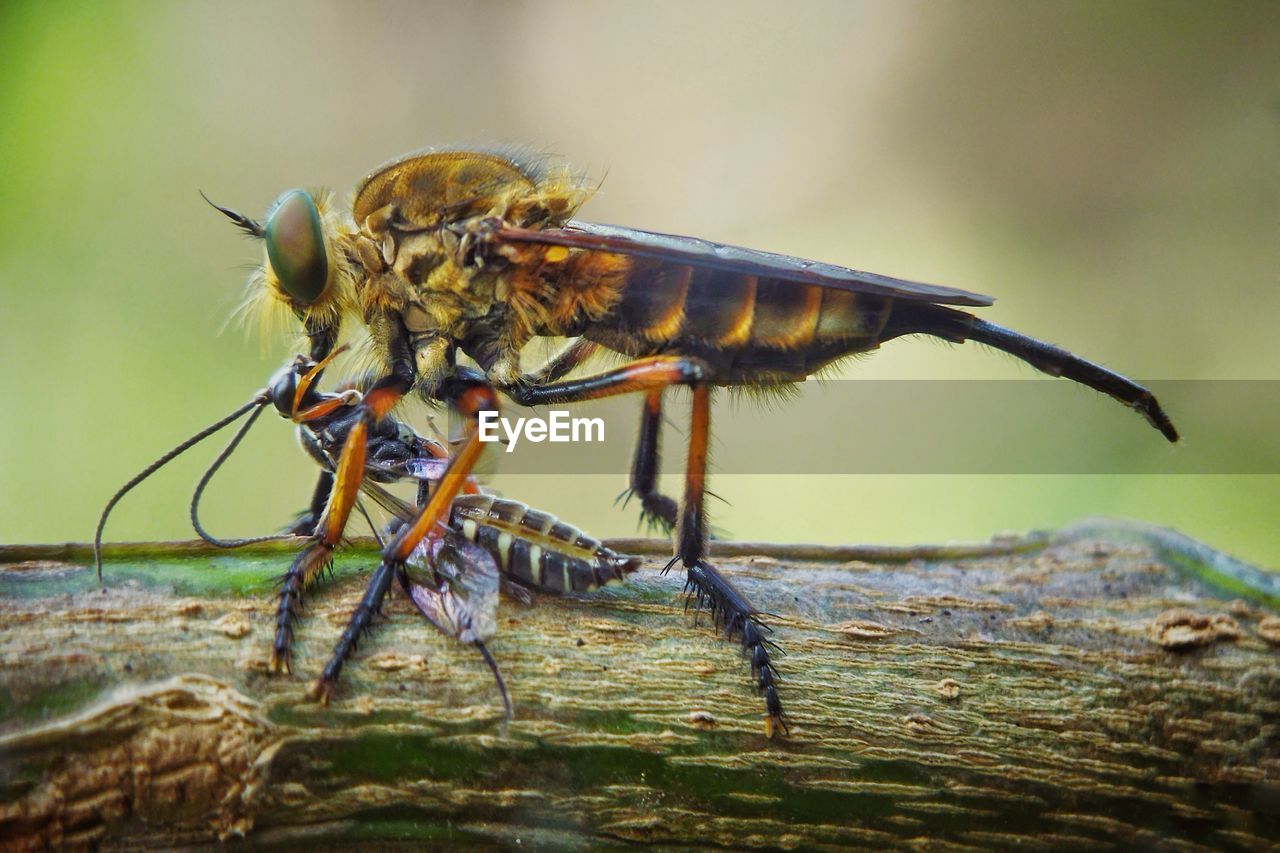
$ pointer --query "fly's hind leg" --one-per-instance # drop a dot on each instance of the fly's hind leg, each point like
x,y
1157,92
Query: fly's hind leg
x,y
729,607
733,614
691,532
656,509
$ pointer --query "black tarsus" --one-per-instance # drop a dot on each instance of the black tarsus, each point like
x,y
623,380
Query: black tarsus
x,y
259,400
656,509
310,560
361,623
732,614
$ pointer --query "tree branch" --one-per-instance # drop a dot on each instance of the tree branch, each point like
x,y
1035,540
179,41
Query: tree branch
x,y
1089,687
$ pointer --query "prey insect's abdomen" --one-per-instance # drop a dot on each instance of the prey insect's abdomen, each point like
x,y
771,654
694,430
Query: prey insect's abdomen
x,y
536,549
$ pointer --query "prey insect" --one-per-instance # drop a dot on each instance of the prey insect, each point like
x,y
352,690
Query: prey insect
x,y
485,544
470,253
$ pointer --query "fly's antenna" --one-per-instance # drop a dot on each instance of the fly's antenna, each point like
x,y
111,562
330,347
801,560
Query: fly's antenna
x,y
244,223
497,677
259,400
204,481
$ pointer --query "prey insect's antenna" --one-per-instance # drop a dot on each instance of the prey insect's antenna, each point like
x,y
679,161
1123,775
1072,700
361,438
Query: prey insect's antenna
x,y
259,400
204,481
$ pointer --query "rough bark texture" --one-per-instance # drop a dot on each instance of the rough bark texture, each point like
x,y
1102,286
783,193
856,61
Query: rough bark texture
x,y
1109,685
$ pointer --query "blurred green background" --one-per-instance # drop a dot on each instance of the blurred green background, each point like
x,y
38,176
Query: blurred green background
x,y
1108,170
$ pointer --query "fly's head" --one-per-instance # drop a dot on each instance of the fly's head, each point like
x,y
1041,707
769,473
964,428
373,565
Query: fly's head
x,y
306,270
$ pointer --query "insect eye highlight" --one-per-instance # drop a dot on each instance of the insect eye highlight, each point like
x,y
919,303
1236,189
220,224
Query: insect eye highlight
x,y
295,246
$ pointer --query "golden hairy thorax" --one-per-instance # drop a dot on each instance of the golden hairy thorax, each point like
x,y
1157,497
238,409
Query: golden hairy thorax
x,y
415,258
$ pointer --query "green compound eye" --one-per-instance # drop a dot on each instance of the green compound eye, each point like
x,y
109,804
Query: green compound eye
x,y
295,246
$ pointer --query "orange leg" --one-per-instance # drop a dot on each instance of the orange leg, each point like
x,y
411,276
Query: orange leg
x,y
704,582
469,399
318,555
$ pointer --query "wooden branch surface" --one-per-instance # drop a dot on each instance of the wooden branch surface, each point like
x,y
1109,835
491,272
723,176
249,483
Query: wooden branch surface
x,y
1092,688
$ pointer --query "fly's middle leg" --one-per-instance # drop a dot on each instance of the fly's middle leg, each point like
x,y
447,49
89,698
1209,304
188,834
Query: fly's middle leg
x,y
655,508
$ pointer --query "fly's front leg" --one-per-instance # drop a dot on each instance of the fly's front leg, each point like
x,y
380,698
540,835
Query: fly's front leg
x,y
327,533
468,398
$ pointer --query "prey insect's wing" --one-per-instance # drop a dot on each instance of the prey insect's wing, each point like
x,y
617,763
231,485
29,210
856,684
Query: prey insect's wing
x,y
691,251
394,506
464,601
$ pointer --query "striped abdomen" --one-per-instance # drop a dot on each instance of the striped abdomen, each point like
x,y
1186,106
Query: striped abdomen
x,y
747,328
534,548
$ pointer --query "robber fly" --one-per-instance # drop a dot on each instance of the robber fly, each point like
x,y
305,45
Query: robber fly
x,y
475,253
454,575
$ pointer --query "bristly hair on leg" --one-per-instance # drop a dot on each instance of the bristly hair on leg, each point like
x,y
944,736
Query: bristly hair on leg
x,y
733,615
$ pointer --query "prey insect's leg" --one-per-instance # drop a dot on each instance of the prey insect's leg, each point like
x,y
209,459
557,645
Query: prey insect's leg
x,y
469,399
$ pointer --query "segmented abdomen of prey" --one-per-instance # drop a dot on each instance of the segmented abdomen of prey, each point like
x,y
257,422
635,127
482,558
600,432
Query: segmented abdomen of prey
x,y
536,549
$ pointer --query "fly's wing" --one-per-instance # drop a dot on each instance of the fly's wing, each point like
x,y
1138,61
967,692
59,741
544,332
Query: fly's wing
x,y
694,252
